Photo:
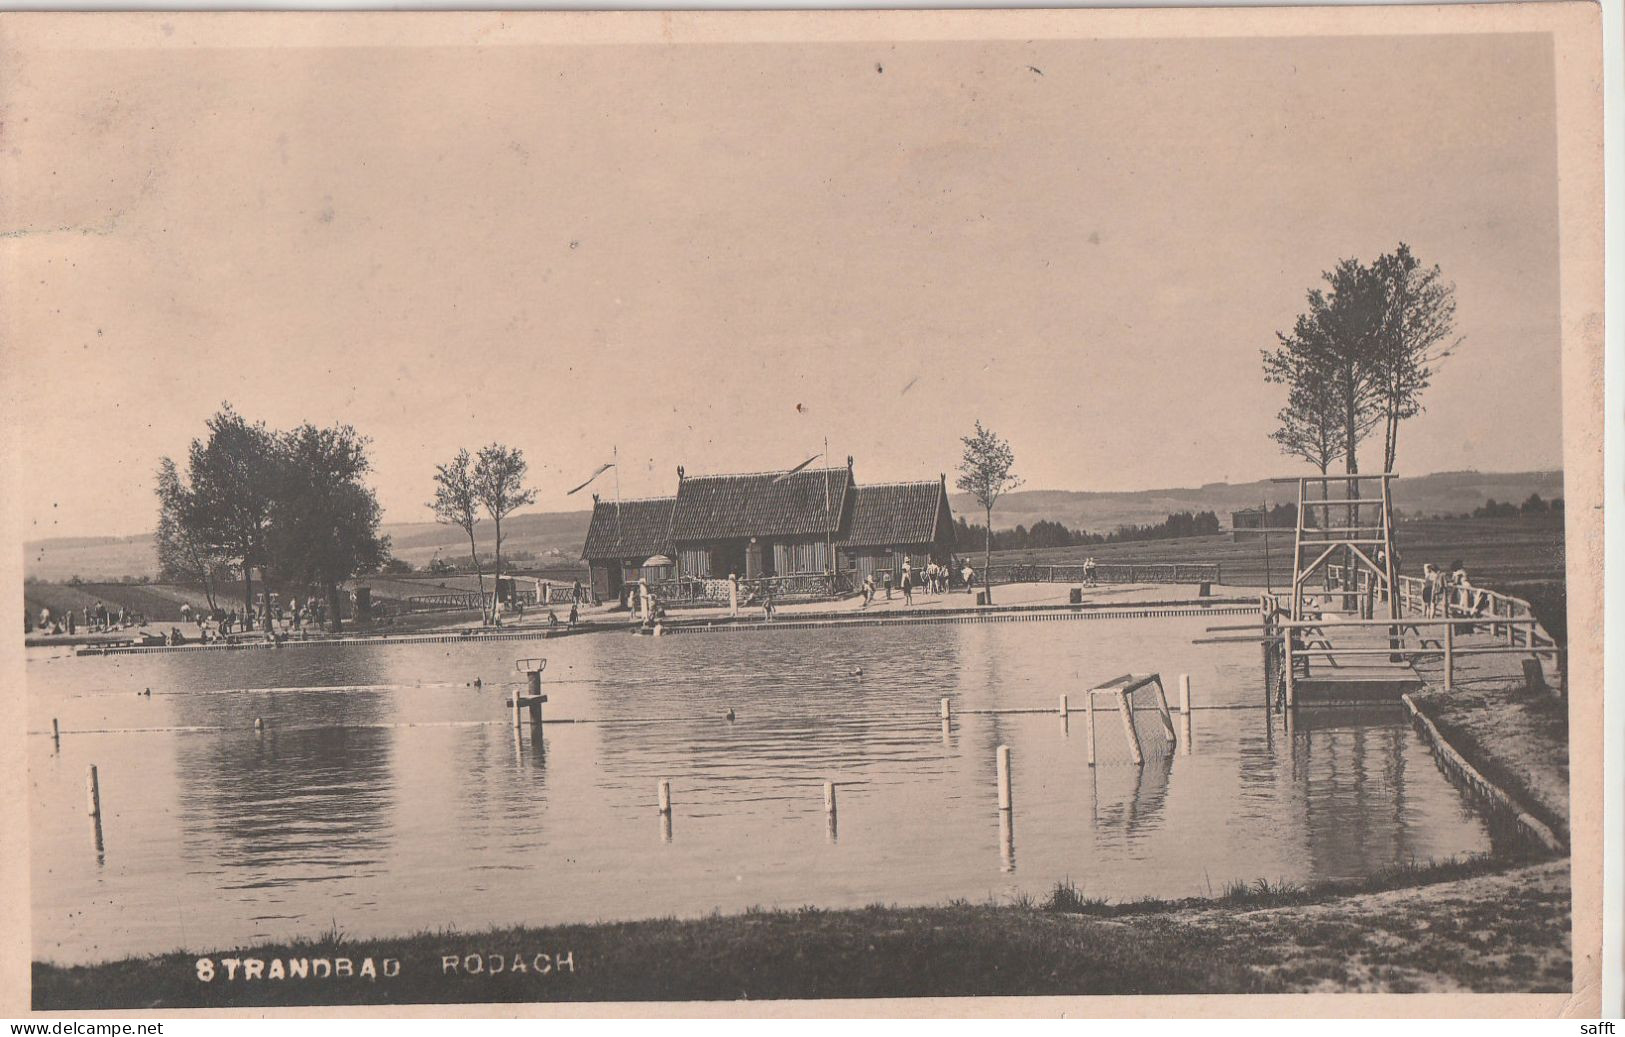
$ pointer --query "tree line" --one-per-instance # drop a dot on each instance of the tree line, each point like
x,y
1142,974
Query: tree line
x,y
1045,533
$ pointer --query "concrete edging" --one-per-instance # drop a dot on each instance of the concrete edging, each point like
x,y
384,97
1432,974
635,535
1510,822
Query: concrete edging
x,y
1454,763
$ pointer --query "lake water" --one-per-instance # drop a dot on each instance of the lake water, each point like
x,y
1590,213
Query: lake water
x,y
387,795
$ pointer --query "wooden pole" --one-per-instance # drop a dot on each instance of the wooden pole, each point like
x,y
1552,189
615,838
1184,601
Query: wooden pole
x,y
1089,725
1007,840
93,793
1185,693
1063,708
829,797
1449,656
56,733
664,794
1003,760
943,710
1287,671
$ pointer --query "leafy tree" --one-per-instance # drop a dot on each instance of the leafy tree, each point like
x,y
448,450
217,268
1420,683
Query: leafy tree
x,y
397,567
1419,311
499,483
181,555
325,519
234,477
985,473
457,503
1534,505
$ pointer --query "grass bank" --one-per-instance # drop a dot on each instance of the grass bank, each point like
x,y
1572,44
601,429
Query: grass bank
x,y
1470,925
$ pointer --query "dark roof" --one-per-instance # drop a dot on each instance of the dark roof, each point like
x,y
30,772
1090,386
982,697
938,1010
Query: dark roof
x,y
630,529
722,507
896,514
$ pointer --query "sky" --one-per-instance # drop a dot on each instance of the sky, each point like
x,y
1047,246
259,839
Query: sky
x,y
718,256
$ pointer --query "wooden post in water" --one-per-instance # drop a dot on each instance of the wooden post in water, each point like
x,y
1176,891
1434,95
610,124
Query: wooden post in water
x,y
1185,693
1449,655
829,797
93,794
1063,709
1089,725
1003,759
1007,840
943,710
664,795
1287,668
56,733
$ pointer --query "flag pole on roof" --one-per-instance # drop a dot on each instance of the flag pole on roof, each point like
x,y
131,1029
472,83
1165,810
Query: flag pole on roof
x,y
785,475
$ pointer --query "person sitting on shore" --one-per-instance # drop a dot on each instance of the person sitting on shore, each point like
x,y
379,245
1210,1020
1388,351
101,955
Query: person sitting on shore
x,y
552,618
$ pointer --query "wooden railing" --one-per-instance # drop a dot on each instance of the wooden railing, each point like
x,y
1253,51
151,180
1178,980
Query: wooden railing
x,y
1105,572
1510,620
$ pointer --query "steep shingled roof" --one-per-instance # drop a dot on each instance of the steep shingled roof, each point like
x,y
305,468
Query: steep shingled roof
x,y
631,529
896,514
723,507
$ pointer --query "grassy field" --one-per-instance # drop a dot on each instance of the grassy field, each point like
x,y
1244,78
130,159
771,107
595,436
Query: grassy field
x,y
1470,925
1496,552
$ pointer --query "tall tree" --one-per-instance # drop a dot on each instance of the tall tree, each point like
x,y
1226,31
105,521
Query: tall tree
x,y
1418,317
499,481
985,473
234,475
325,519
1309,426
181,556
457,503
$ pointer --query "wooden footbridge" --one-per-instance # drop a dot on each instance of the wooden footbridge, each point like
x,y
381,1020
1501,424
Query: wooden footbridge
x,y
1351,630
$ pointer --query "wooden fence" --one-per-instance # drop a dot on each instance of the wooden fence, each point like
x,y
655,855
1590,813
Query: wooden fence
x,y
1105,572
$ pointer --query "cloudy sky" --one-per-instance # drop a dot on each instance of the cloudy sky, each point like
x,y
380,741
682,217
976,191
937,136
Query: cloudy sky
x,y
719,255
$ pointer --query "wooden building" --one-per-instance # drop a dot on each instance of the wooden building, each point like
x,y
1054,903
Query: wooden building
x,y
621,537
817,521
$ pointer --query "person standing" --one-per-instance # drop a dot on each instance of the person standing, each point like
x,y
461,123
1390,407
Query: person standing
x,y
733,595
885,578
908,584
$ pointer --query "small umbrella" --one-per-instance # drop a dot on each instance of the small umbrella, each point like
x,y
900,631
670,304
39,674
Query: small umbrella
x,y
657,561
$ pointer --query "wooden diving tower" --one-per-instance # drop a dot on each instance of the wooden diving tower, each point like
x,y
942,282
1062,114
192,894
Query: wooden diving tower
x,y
1344,542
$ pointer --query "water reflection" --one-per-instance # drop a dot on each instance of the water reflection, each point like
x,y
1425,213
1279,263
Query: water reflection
x,y
419,805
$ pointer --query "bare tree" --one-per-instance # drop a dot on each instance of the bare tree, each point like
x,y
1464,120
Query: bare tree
x,y
984,473
499,478
457,503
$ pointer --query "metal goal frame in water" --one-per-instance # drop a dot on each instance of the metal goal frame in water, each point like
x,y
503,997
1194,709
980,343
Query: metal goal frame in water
x,y
1147,726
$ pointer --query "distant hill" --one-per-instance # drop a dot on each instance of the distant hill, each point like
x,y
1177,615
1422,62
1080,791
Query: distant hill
x,y
1441,494
555,538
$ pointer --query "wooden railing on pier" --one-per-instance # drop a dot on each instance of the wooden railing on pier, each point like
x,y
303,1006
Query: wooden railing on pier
x,y
1511,621
1105,572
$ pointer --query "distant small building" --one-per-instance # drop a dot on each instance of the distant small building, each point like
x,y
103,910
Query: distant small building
x,y
1248,523
817,521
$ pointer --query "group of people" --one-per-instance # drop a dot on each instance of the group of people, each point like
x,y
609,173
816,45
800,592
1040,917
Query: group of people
x,y
933,578
95,618
269,617
1443,589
